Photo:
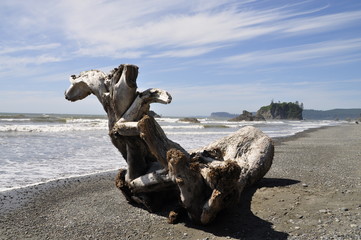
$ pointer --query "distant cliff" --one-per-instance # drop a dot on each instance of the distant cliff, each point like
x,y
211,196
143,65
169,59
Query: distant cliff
x,y
296,112
334,114
223,115
292,111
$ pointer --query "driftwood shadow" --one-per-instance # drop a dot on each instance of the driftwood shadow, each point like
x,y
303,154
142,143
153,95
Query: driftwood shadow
x,y
239,221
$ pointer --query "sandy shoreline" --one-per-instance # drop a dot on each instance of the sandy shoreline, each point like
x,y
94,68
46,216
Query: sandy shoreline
x,y
313,190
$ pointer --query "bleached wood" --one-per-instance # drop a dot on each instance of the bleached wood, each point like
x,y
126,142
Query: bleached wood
x,y
208,179
207,187
157,141
126,128
152,182
123,89
140,105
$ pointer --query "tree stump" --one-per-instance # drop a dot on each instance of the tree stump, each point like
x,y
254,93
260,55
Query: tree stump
x,y
206,180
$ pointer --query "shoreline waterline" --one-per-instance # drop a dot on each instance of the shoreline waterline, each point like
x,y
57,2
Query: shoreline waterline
x,y
114,155
173,135
312,187
17,197
12,198
51,181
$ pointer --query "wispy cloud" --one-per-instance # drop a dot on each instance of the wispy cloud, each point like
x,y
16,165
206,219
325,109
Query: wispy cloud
x,y
11,66
222,48
186,52
14,49
15,57
328,51
322,23
178,28
187,30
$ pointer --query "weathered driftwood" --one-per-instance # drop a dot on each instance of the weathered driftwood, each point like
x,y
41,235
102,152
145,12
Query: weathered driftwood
x,y
209,179
212,178
215,176
116,92
205,180
158,144
123,104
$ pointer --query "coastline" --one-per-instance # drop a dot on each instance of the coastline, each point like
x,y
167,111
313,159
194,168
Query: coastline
x,y
14,198
309,192
280,140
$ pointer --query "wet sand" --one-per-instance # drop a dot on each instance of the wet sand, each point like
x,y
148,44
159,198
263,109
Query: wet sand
x,y
312,191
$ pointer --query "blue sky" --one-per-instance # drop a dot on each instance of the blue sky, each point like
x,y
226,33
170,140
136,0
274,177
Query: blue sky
x,y
209,55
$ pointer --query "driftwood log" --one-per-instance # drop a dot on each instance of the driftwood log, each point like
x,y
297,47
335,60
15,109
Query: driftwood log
x,y
206,180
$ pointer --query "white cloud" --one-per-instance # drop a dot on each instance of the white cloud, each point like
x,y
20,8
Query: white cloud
x,y
132,29
15,62
20,48
141,26
186,52
322,23
328,51
20,59
45,39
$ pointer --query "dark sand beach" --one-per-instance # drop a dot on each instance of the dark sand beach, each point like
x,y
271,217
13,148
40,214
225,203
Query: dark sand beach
x,y
313,191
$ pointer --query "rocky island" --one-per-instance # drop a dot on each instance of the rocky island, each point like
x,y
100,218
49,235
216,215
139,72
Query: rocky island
x,y
247,116
291,111
189,119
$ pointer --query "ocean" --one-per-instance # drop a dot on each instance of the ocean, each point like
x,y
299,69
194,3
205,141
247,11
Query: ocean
x,y
36,148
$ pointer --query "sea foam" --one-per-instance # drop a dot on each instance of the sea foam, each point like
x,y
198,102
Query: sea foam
x,y
37,148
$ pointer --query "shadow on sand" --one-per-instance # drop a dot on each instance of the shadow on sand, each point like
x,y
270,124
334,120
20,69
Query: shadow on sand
x,y
239,221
